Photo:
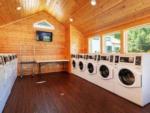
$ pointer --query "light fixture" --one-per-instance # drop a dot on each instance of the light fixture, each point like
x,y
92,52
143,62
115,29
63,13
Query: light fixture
x,y
93,2
19,8
71,19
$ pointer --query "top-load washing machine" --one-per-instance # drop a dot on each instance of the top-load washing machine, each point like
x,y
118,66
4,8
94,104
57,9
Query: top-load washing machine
x,y
132,78
105,71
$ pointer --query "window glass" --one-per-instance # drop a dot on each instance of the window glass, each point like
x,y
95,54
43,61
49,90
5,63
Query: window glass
x,y
138,40
112,43
94,44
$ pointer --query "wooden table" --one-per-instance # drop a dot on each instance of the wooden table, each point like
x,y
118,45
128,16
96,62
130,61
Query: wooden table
x,y
40,63
26,63
43,62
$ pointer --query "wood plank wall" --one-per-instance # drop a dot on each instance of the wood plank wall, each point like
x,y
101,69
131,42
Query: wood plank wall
x,y
78,42
19,37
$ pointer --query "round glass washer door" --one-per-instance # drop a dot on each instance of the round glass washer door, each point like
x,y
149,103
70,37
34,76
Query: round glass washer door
x,y
126,77
74,64
81,65
104,71
90,67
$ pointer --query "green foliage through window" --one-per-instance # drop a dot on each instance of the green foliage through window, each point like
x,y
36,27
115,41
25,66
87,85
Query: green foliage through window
x,y
139,40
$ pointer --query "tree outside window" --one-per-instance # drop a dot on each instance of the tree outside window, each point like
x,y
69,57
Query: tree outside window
x,y
138,40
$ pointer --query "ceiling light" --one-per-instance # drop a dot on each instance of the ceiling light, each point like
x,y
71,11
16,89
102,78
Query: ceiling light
x,y
71,19
93,2
48,2
19,8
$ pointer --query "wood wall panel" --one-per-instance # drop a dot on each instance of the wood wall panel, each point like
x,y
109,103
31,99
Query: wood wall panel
x,y
78,41
19,38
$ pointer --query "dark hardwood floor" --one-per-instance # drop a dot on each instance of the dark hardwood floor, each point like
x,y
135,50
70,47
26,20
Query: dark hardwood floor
x,y
65,93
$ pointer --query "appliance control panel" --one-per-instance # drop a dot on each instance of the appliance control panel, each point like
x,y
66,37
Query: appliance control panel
x,y
1,60
127,59
98,58
105,58
138,60
111,58
90,57
116,59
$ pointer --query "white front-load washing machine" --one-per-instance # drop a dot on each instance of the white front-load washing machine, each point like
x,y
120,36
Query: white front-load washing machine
x,y
91,65
105,71
74,64
132,78
91,68
82,63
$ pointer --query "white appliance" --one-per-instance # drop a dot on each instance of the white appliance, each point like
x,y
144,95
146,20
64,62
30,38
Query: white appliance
x,y
2,75
132,78
8,74
82,63
75,66
73,63
105,72
91,68
91,65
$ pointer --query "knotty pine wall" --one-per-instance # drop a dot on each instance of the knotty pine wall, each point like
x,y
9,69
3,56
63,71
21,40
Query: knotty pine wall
x,y
78,43
19,38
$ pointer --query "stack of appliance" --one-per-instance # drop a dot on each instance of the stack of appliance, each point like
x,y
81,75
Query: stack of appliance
x,y
8,75
126,75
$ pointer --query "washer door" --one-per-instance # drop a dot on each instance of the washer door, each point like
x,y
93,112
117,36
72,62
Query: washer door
x,y
74,64
90,67
81,65
126,77
104,71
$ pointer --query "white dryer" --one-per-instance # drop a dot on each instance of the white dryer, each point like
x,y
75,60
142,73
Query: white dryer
x,y
74,64
105,71
132,78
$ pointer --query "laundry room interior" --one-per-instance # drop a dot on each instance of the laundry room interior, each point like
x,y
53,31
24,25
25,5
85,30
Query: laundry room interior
x,y
75,56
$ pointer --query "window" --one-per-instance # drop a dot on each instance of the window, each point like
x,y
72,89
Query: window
x,y
111,43
138,39
94,44
44,24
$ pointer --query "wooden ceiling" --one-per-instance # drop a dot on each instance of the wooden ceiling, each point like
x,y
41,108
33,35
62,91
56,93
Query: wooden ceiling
x,y
87,18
